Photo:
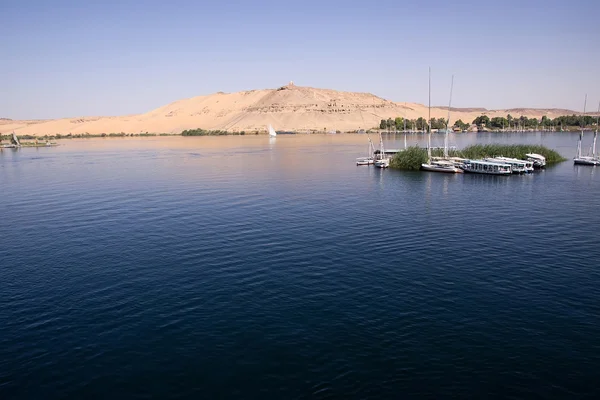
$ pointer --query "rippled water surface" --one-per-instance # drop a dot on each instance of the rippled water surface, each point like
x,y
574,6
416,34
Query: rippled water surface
x,y
243,267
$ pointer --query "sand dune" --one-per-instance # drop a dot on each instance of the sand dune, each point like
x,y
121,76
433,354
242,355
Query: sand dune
x,y
289,108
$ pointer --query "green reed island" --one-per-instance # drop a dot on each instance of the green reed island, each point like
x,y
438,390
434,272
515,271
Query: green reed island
x,y
412,157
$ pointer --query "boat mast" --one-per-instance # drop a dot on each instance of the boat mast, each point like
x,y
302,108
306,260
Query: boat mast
x,y
596,132
428,122
371,153
448,121
381,151
582,126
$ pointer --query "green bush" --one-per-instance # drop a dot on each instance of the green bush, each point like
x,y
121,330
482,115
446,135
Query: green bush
x,y
410,159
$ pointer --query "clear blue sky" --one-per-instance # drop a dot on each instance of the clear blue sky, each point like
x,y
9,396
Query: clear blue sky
x,y
66,58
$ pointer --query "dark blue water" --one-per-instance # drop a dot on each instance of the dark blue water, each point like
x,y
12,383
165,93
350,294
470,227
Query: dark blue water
x,y
249,268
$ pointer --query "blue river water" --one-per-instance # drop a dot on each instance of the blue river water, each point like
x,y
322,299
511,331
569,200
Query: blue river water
x,y
244,267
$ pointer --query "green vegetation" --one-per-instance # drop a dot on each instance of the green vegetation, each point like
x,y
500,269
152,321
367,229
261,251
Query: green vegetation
x,y
565,122
411,124
413,157
562,122
204,132
463,126
513,151
409,159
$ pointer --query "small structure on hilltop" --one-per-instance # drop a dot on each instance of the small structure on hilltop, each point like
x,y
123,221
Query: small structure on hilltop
x,y
288,86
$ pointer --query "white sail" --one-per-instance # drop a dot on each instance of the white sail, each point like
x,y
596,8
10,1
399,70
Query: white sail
x,y
15,140
272,131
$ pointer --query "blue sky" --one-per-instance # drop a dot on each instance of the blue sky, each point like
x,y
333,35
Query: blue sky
x,y
74,58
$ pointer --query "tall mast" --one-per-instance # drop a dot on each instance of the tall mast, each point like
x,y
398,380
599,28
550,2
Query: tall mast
x,y
596,132
429,121
448,121
582,126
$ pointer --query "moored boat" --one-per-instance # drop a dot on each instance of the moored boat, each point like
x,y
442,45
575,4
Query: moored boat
x,y
382,160
384,163
486,167
370,159
364,161
585,160
538,160
517,166
589,159
441,166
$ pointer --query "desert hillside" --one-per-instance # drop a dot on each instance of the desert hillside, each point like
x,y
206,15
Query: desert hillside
x,y
288,108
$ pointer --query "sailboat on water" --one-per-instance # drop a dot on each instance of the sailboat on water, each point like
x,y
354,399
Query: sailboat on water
x,y
14,142
272,132
444,165
589,159
383,161
370,158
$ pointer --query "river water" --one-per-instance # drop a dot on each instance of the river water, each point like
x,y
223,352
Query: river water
x,y
246,267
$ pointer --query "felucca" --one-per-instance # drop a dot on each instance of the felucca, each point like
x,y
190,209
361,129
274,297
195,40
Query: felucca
x,y
369,159
444,165
585,160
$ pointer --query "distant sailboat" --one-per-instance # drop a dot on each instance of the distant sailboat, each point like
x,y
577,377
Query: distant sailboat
x,y
585,160
14,142
272,132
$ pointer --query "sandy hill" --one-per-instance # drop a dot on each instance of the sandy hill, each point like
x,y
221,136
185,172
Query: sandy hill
x,y
287,108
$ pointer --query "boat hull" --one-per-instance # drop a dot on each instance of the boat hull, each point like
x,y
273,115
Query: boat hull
x,y
382,164
436,168
487,172
583,161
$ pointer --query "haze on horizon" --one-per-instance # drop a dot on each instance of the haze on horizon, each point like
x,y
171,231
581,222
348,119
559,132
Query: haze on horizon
x,y
69,58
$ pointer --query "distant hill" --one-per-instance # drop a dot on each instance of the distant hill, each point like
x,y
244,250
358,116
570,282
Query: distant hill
x,y
288,108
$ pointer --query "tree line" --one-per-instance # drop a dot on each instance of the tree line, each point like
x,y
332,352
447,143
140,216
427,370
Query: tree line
x,y
524,122
508,122
400,123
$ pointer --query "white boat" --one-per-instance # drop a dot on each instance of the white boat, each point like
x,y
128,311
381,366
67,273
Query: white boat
x,y
272,132
443,165
14,143
585,160
383,161
486,167
590,159
370,159
538,160
517,166
364,161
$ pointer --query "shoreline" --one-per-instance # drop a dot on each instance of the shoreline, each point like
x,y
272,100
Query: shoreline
x,y
6,137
